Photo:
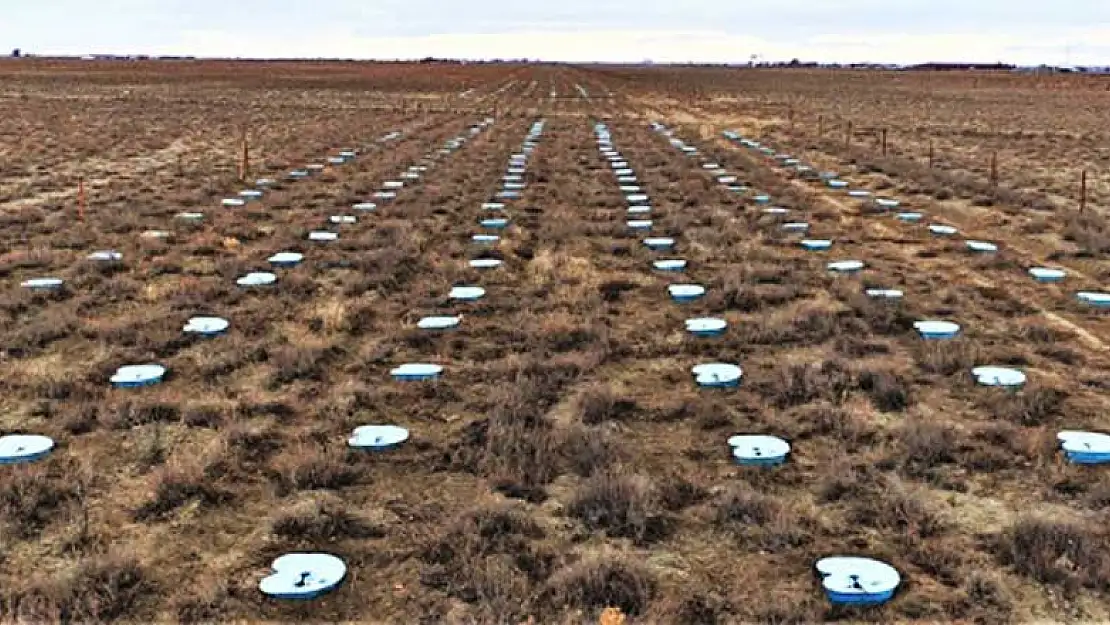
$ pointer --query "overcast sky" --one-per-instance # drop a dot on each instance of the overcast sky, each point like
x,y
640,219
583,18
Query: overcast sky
x,y
897,31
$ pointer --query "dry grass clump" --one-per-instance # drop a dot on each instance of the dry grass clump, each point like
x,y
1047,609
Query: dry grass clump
x,y
621,505
600,582
101,589
1057,552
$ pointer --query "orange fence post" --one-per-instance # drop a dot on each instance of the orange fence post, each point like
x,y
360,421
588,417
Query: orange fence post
x,y
1083,191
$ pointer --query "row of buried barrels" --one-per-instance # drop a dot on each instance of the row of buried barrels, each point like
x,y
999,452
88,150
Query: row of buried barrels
x,y
293,575
845,579
873,581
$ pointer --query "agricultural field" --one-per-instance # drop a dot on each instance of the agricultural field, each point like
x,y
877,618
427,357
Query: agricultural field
x,y
551,458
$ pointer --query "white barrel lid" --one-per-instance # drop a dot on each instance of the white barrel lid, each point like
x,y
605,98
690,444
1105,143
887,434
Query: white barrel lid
x,y
639,209
250,194
303,575
190,215
372,436
757,446
155,234
286,257
816,242
1093,297
493,206
1047,273
417,369
639,223
706,324
982,246
637,197
485,238
384,195
438,323
659,241
21,447
859,193
846,265
106,255
485,263
998,376
343,219
777,210
138,373
853,575
42,283
686,290
364,206
257,278
393,184
322,235
942,229
796,226
233,201
884,293
669,263
887,202
494,221
630,188
716,372
1081,441
206,325
936,327
467,292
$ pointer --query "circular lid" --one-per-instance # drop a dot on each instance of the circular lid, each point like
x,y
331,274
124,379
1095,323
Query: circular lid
x,y
1091,296
887,202
190,215
710,165
286,257
762,197
364,206
251,194
838,184
393,184
513,186
639,223
485,238
659,242
852,575
438,323
18,447
493,206
467,292
859,193
320,235
1079,441
417,369
757,446
981,246
942,229
674,263
485,263
796,225
911,216
998,376
630,188
385,195
343,219
138,373
936,327
1047,273
42,283
265,182
372,436
257,278
686,290
777,210
206,325
315,167
155,234
233,202
106,255
816,242
846,265
724,179
637,197
706,324
639,210
884,293
716,372
494,222
625,172
303,574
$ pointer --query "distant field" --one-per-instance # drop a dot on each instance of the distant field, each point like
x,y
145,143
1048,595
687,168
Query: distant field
x,y
565,461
